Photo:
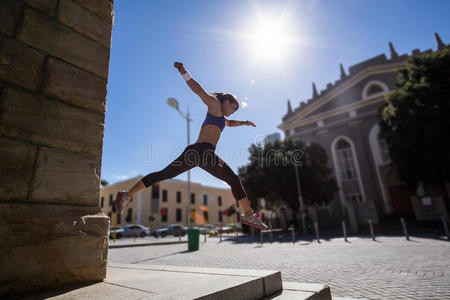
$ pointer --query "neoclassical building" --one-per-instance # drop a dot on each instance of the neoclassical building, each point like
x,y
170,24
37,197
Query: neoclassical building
x,y
207,203
342,118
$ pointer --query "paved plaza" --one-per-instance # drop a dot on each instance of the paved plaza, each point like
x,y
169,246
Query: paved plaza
x,y
388,268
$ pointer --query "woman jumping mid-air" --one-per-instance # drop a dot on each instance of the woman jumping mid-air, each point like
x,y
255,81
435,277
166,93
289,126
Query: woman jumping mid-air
x,y
202,153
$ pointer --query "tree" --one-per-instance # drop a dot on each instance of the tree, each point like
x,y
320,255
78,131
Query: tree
x,y
271,174
415,121
103,182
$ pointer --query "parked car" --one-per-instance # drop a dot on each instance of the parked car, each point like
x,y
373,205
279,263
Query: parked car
x,y
214,232
206,228
130,230
111,228
172,229
230,228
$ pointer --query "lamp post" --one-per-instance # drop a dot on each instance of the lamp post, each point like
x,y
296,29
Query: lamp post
x,y
174,103
300,199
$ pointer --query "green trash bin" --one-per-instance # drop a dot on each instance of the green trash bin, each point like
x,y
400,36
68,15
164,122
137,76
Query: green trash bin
x,y
193,238
307,227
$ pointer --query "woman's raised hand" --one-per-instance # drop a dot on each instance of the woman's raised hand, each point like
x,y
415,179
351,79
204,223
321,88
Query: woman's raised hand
x,y
180,67
249,123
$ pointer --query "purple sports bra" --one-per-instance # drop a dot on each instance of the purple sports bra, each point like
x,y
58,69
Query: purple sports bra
x,y
211,119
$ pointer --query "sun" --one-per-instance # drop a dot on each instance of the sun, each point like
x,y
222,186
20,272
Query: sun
x,y
270,40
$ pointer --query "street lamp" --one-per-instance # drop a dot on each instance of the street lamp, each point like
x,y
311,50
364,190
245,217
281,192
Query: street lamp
x,y
300,199
174,103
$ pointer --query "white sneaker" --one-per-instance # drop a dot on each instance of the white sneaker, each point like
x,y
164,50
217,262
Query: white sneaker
x,y
254,220
121,199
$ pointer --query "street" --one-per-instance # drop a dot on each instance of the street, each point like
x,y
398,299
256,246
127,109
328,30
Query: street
x,y
388,268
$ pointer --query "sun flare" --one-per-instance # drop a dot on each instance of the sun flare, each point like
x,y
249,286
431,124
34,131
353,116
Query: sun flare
x,y
270,40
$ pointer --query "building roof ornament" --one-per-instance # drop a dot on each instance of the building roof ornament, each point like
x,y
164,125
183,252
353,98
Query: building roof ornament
x,y
289,108
315,94
343,75
394,53
440,44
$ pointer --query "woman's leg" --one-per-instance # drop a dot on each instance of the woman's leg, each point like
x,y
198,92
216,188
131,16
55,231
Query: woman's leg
x,y
139,186
214,165
182,163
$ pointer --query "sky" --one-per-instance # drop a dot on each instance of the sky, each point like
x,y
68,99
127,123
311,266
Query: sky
x,y
265,52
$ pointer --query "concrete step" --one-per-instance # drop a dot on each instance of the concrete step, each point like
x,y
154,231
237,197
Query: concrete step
x,y
140,281
306,291
302,291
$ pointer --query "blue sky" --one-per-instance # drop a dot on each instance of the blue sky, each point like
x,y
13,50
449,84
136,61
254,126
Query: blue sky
x,y
265,52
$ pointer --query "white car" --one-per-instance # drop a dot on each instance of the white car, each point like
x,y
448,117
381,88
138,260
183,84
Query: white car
x,y
130,230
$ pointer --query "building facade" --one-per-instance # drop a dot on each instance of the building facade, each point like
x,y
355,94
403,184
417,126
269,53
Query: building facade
x,y
166,203
343,119
271,138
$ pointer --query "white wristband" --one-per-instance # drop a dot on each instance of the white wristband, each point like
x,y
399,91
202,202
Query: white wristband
x,y
186,76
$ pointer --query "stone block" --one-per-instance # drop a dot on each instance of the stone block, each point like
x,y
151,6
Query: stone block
x,y
85,22
16,169
102,8
38,119
46,6
66,177
48,246
10,15
44,33
19,64
81,88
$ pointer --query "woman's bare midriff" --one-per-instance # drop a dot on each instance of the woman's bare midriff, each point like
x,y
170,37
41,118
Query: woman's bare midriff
x,y
209,133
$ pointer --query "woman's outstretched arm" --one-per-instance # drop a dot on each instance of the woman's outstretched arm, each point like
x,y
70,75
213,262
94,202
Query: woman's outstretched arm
x,y
234,123
196,87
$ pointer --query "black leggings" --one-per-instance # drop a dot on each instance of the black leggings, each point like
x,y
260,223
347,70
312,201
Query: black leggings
x,y
202,155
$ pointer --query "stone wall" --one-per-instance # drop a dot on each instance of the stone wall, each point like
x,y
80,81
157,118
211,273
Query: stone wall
x,y
54,60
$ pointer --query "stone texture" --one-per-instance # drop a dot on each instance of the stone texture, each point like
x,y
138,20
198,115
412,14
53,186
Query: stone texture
x,y
81,88
46,34
19,64
16,169
46,6
85,22
10,14
68,244
65,177
102,8
49,122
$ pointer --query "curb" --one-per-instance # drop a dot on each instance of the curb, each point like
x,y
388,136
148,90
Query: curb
x,y
144,244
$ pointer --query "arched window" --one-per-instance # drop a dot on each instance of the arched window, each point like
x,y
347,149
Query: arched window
x,y
347,170
374,89
346,161
383,148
